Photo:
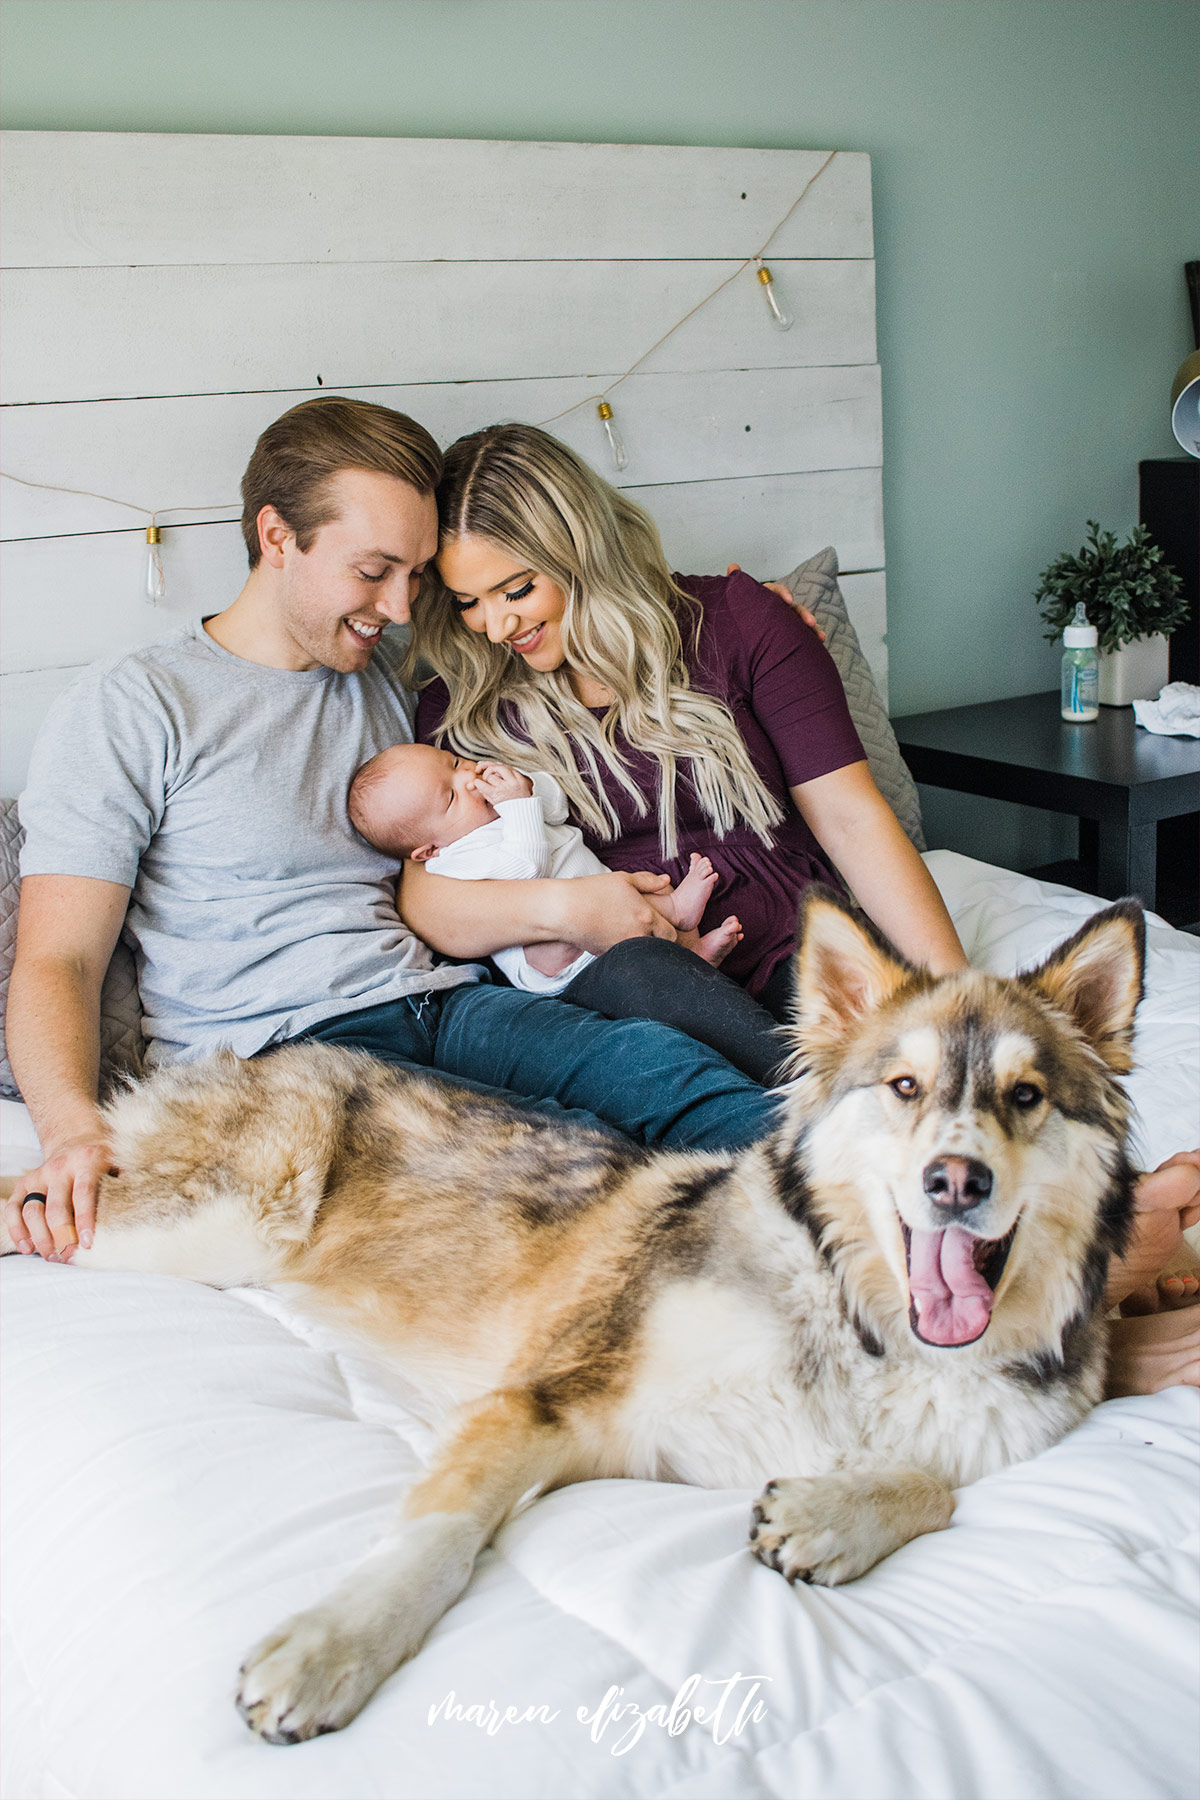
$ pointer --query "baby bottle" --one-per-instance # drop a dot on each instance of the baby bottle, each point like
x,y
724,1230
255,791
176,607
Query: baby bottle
x,y
1080,669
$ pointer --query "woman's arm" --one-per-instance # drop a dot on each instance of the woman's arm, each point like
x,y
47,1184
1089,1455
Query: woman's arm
x,y
475,918
857,828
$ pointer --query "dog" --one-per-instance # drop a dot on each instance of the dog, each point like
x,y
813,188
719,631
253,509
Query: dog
x,y
896,1292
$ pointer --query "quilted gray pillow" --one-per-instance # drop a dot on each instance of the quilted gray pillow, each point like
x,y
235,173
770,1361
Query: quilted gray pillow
x,y
815,585
121,1044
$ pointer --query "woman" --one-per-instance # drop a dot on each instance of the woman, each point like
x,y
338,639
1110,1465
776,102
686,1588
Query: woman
x,y
679,714
698,714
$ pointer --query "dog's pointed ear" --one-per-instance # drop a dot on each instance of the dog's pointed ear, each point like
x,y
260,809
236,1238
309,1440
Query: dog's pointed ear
x,y
843,969
1097,977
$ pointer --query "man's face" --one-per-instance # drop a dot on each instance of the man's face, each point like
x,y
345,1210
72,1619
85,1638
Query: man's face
x,y
360,572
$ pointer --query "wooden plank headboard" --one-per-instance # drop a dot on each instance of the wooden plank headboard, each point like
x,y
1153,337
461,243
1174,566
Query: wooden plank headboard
x,y
167,296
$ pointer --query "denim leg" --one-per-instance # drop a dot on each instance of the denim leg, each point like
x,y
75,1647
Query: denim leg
x,y
404,1032
652,978
653,1083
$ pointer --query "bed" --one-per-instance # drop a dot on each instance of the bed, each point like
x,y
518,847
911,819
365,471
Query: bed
x,y
184,1467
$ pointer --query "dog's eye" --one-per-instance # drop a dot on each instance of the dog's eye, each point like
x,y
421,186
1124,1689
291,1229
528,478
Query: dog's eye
x,y
1026,1095
905,1087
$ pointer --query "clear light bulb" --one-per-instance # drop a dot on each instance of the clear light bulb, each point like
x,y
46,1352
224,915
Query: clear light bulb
x,y
156,575
781,319
615,441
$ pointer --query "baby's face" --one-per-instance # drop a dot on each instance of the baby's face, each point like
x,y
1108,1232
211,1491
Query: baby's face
x,y
437,789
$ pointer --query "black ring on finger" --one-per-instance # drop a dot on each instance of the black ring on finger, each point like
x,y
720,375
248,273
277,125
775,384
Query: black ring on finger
x,y
40,1198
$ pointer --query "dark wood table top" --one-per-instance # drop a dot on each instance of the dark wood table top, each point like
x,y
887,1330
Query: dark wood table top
x,y
1029,732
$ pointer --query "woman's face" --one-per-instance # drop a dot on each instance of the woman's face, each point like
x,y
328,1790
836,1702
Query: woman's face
x,y
495,592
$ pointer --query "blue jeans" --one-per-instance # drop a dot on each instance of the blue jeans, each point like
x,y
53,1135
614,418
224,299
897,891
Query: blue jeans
x,y
649,1081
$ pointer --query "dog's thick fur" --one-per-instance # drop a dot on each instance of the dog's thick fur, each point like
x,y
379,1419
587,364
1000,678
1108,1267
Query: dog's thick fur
x,y
588,1308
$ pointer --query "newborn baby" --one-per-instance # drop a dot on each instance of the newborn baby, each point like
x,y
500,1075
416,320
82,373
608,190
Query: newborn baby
x,y
485,822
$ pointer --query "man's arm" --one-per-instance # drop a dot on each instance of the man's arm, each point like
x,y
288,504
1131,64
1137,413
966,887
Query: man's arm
x,y
66,931
474,918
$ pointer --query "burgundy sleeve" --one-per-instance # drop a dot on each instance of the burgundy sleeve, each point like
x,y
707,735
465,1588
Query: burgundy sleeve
x,y
793,685
431,710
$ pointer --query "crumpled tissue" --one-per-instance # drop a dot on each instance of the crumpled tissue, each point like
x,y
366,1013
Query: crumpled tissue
x,y
1176,712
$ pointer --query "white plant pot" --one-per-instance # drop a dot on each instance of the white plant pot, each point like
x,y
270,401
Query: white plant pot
x,y
1136,671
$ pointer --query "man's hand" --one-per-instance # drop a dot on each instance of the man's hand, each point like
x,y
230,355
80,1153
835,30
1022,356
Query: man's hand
x,y
785,594
599,911
496,782
53,1208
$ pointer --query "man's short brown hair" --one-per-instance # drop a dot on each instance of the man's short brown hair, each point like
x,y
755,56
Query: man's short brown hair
x,y
296,458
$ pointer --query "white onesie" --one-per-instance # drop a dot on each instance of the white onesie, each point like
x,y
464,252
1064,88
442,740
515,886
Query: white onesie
x,y
529,839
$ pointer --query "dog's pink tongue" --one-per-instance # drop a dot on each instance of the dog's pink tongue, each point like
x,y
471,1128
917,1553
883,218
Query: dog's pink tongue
x,y
954,1302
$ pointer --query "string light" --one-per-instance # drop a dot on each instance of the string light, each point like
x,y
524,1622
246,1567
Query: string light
x,y
781,319
156,574
616,442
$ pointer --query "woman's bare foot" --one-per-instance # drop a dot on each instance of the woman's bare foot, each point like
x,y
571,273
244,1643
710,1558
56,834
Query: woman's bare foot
x,y
715,946
692,895
1168,1201
1159,1350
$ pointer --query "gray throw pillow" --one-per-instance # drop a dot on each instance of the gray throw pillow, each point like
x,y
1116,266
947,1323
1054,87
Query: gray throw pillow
x,y
121,1044
815,585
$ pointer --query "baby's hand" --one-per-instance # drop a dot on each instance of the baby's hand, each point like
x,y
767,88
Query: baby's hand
x,y
496,781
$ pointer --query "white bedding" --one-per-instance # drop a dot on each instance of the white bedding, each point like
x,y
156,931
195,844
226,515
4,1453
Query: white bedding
x,y
183,1468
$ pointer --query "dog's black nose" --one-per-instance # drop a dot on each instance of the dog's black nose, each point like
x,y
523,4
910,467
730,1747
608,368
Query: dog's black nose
x,y
957,1183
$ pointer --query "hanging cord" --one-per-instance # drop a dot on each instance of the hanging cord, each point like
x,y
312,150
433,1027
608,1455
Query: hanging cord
x,y
153,514
755,257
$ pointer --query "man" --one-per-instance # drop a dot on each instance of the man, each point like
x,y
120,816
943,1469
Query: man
x,y
194,792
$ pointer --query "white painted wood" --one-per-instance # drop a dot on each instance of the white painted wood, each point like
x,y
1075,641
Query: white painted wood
x,y
192,451
82,198
772,523
75,600
24,700
86,334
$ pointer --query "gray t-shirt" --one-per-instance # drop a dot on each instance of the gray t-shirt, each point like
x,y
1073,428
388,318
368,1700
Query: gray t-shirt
x,y
215,789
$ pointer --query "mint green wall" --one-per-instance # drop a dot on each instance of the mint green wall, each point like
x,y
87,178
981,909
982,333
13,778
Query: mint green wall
x,y
1035,167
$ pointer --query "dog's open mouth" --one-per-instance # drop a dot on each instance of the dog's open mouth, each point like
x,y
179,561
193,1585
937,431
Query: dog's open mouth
x,y
952,1281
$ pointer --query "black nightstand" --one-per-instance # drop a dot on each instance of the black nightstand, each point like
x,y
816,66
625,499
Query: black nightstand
x,y
1118,780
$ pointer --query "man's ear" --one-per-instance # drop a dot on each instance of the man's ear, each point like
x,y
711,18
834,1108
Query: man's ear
x,y
843,970
273,533
1097,977
423,852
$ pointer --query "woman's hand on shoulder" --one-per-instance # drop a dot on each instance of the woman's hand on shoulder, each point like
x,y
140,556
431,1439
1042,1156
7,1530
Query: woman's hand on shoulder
x,y
786,595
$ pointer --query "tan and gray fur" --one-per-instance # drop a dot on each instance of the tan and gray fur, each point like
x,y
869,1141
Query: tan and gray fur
x,y
584,1307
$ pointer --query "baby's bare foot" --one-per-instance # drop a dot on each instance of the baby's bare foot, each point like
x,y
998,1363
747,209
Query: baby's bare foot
x,y
715,946
692,895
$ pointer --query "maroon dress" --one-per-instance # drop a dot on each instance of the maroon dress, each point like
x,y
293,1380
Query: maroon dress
x,y
786,696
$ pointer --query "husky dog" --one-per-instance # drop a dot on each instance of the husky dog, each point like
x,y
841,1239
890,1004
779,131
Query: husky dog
x,y
895,1293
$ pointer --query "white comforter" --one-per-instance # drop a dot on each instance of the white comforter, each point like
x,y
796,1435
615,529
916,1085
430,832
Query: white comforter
x,y
184,1468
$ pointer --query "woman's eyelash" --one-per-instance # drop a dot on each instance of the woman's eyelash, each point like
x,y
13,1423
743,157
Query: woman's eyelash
x,y
461,605
520,593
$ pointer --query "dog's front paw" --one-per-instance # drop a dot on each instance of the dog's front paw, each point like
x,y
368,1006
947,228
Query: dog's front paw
x,y
832,1528
307,1678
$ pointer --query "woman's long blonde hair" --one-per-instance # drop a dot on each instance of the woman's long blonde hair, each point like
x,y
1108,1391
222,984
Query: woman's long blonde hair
x,y
519,488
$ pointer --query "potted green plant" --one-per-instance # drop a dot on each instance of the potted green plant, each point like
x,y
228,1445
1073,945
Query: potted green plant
x,y
1132,597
